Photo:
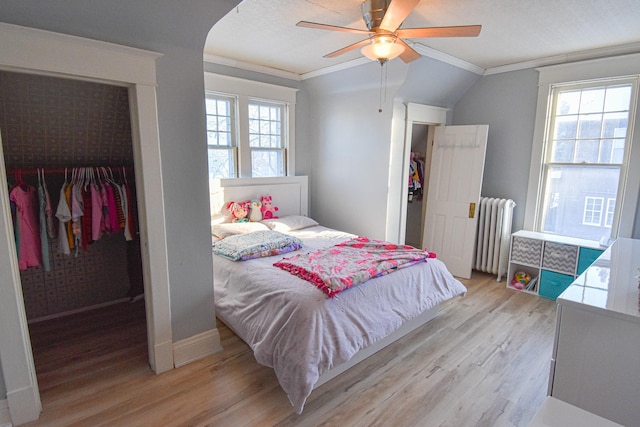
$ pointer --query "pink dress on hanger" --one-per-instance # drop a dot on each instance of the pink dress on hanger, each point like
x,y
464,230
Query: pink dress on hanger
x,y
27,208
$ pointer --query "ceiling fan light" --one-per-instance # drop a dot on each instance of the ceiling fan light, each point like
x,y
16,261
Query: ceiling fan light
x,y
382,50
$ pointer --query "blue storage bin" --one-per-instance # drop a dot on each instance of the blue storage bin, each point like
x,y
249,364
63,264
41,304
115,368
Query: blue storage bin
x,y
586,258
552,284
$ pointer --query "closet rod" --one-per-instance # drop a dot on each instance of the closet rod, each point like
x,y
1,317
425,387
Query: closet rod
x,y
68,169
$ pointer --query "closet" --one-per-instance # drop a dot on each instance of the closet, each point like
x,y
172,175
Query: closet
x,y
419,160
56,131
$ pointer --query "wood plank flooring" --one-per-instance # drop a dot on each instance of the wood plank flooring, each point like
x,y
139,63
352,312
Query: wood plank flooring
x,y
484,361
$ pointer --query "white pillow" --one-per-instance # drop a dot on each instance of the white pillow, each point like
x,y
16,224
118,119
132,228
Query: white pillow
x,y
290,223
227,229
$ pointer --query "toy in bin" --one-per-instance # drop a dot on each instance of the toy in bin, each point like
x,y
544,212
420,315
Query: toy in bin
x,y
520,279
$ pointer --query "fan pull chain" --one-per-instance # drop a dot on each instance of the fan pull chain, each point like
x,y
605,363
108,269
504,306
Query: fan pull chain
x,y
381,87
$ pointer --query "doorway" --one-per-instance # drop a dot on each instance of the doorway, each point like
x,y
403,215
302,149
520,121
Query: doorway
x,y
418,182
86,60
90,259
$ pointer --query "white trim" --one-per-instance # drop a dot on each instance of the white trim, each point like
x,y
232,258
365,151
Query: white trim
x,y
440,56
566,58
447,59
602,68
22,403
196,347
236,86
36,51
5,416
221,60
338,67
401,133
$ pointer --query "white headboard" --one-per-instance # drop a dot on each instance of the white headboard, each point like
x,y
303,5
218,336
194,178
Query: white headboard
x,y
290,194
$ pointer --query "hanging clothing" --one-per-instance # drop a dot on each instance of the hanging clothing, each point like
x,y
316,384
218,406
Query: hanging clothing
x,y
97,221
63,213
44,237
29,252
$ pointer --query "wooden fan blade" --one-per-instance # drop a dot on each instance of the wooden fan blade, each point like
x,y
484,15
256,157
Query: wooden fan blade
x,y
396,13
458,31
347,49
409,53
308,24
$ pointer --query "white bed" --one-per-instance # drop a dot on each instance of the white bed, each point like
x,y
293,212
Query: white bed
x,y
291,325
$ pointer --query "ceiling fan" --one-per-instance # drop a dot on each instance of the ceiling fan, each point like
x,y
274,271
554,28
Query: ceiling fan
x,y
384,42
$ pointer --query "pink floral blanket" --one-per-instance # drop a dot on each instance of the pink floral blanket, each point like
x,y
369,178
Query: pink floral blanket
x,y
347,264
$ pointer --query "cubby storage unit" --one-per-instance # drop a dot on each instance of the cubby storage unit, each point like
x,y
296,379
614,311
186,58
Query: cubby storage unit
x,y
552,261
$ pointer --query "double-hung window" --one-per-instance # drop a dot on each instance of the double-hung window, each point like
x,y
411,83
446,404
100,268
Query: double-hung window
x,y
266,139
221,136
585,157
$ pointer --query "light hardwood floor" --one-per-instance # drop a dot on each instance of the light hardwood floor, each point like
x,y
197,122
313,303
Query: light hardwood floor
x,y
484,361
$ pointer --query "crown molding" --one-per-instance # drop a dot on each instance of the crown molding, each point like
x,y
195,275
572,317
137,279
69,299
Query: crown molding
x,y
334,68
439,56
446,58
567,58
221,60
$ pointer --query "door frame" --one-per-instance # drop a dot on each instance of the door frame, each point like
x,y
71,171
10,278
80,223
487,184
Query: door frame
x,y
406,115
35,51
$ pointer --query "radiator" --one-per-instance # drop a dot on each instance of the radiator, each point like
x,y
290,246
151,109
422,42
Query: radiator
x,y
494,235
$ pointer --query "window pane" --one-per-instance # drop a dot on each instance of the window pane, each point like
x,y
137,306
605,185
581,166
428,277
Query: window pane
x,y
615,125
267,163
566,127
587,151
567,190
221,163
592,100
617,98
220,120
589,126
568,102
265,126
563,151
592,210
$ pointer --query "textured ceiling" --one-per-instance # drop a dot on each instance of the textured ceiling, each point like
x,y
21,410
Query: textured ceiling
x,y
263,32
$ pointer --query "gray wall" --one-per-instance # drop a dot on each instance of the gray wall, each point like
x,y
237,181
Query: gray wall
x,y
347,143
178,32
507,103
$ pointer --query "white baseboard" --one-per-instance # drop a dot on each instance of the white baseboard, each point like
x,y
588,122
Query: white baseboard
x,y
25,405
5,416
196,347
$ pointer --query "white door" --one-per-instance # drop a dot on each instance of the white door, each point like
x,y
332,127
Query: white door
x,y
455,182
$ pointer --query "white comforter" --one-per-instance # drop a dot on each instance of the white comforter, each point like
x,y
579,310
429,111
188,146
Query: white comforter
x,y
295,329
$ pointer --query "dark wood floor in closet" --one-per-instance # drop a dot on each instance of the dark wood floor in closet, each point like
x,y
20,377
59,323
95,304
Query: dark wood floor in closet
x,y
88,348
484,361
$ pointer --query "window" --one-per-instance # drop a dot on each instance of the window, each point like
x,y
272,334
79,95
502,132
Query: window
x,y
592,211
221,136
266,139
611,207
250,128
585,154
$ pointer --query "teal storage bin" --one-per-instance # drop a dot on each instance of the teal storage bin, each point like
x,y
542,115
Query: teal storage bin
x,y
552,284
586,258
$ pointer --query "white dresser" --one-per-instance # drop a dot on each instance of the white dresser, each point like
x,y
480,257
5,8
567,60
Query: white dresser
x,y
596,355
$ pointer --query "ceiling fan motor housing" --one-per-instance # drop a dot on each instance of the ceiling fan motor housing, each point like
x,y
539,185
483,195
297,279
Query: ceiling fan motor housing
x,y
373,11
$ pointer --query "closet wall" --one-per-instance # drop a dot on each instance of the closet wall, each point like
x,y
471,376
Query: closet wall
x,y
55,123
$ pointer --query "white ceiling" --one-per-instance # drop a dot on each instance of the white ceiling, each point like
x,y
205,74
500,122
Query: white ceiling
x,y
515,33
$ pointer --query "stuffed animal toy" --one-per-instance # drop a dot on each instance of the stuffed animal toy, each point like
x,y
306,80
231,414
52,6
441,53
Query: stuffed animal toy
x,y
268,210
256,212
239,211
